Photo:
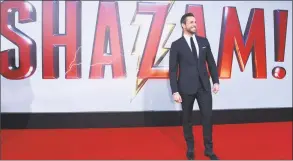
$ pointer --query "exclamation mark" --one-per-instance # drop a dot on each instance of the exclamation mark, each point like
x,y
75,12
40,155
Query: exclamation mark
x,y
280,30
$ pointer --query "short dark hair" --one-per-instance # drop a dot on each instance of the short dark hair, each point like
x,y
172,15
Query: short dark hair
x,y
183,18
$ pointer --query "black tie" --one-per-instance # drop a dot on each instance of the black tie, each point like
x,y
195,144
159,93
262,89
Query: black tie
x,y
193,48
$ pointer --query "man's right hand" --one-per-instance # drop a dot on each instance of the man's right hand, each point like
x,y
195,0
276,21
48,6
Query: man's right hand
x,y
177,97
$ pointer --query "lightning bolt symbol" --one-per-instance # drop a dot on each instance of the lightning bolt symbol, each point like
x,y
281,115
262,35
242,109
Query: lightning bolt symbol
x,y
161,52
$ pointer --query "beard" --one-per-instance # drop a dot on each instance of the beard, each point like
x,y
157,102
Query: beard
x,y
191,31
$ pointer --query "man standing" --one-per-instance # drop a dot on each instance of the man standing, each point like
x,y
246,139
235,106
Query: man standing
x,y
189,55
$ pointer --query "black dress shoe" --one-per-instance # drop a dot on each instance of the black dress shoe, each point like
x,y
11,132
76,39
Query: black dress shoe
x,y
212,156
190,155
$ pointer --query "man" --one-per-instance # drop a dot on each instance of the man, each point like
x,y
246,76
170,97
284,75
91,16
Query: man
x,y
189,55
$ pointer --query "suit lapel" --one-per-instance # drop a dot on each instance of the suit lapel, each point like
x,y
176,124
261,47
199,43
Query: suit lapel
x,y
200,45
186,45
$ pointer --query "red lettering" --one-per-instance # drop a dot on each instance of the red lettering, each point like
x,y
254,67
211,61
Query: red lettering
x,y
26,45
159,12
232,39
197,11
52,40
108,30
280,33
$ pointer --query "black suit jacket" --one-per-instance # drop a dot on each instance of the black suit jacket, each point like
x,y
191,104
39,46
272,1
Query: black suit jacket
x,y
191,72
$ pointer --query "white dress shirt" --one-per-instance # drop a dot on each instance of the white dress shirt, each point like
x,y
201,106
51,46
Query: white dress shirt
x,y
187,38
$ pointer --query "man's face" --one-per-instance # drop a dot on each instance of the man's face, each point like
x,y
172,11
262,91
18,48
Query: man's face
x,y
190,25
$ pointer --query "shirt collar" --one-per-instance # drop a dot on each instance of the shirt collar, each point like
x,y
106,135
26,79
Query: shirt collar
x,y
187,37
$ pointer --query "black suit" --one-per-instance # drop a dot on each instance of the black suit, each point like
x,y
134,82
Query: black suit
x,y
193,83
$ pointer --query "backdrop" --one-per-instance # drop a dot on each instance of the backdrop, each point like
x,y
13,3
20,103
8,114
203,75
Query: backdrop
x,y
113,56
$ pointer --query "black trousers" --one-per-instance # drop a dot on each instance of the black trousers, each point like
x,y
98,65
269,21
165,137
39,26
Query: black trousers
x,y
204,99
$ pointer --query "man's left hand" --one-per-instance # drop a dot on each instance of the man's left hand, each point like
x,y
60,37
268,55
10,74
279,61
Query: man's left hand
x,y
216,88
